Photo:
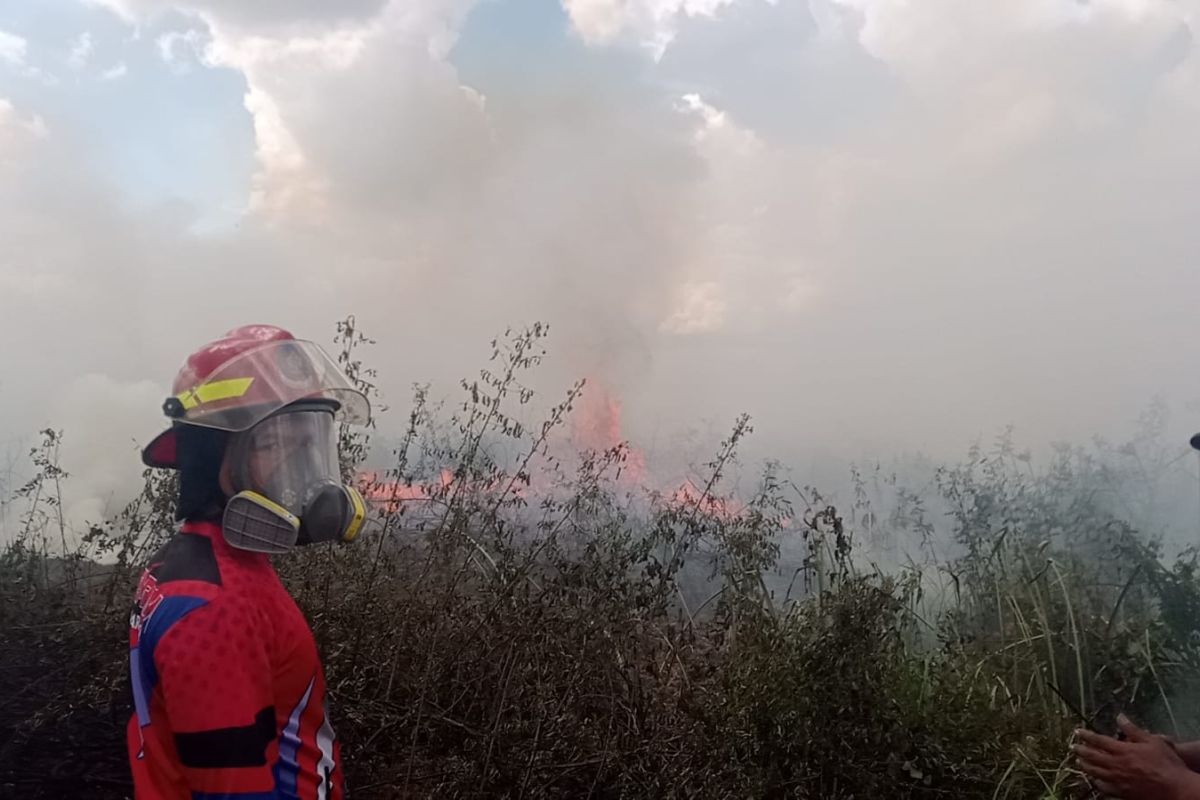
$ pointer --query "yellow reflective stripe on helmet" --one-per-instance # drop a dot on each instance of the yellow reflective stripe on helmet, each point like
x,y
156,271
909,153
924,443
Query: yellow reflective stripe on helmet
x,y
215,390
360,513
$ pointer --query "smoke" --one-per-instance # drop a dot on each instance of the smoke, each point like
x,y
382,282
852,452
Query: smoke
x,y
106,428
877,226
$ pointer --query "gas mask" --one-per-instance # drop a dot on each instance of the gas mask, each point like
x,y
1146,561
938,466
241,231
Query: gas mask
x,y
289,490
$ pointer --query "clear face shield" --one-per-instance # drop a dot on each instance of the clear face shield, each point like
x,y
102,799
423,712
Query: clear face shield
x,y
288,457
289,489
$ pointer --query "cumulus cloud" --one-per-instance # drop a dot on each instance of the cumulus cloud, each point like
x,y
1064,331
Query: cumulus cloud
x,y
717,129
18,132
392,194
81,50
652,23
309,167
267,17
179,49
12,48
118,70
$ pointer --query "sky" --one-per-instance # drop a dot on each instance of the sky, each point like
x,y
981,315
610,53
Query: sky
x,y
877,226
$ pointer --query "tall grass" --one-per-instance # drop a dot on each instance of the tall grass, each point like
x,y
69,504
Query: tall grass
x,y
537,628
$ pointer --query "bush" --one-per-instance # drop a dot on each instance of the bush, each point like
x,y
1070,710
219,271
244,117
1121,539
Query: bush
x,y
524,630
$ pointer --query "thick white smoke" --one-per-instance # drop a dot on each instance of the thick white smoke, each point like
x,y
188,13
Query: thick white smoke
x,y
873,224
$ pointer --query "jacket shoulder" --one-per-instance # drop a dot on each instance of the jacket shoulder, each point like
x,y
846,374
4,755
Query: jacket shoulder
x,y
186,557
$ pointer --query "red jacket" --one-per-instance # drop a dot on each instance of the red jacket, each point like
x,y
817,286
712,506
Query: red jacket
x,y
228,690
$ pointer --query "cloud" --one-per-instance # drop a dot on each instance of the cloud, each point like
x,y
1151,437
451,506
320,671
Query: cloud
x,y
17,133
651,23
14,52
266,17
392,193
81,51
287,58
179,48
716,130
12,48
119,70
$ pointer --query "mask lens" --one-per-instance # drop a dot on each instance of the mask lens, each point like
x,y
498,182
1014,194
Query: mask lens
x,y
290,456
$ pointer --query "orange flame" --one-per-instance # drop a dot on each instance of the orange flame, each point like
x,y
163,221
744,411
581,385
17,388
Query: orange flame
x,y
691,495
595,426
389,495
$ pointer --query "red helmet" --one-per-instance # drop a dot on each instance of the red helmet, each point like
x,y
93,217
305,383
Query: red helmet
x,y
237,381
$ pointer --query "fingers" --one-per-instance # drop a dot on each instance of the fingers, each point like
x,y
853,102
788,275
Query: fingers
x,y
1105,788
1098,741
1091,755
1132,732
1096,770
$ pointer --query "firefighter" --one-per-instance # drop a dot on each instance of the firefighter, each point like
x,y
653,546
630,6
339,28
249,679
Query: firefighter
x,y
229,693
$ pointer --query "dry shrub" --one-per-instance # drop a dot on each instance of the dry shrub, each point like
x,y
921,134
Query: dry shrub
x,y
523,630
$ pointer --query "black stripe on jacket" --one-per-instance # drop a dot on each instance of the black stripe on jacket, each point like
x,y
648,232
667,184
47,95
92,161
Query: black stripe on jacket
x,y
228,747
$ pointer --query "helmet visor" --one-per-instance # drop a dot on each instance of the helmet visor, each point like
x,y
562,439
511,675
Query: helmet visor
x,y
289,457
252,386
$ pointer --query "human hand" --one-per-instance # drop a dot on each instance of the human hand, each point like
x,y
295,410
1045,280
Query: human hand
x,y
1143,766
